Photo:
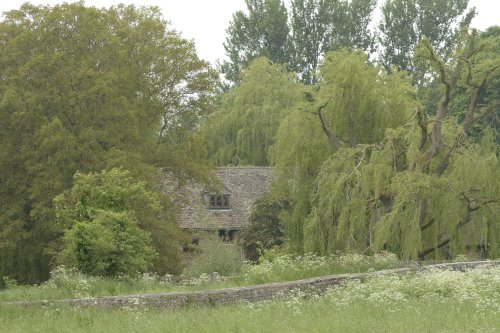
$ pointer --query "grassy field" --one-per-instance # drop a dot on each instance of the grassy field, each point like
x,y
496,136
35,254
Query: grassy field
x,y
65,283
436,301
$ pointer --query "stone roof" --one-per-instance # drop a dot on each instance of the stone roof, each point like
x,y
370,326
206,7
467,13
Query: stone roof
x,y
243,184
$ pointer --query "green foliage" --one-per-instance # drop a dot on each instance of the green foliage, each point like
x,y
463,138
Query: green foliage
x,y
408,194
405,23
265,229
351,29
362,176
109,244
372,199
311,35
114,225
241,131
298,40
357,104
7,283
65,283
299,150
263,32
489,95
362,100
86,89
319,26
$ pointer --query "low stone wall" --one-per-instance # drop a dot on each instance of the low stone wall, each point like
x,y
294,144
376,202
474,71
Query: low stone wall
x,y
225,296
243,294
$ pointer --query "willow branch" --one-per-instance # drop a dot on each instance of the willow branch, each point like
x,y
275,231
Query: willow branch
x,y
334,141
449,80
422,254
470,120
422,123
472,205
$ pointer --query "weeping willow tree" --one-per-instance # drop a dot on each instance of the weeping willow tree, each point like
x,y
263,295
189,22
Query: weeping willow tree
x,y
244,127
351,107
417,188
299,150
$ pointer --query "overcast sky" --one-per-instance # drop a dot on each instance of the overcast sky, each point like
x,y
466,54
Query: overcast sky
x,y
206,21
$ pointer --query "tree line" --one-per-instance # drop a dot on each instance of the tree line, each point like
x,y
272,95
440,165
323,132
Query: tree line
x,y
399,153
298,33
396,151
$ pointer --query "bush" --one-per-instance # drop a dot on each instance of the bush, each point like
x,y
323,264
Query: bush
x,y
112,221
109,245
6,282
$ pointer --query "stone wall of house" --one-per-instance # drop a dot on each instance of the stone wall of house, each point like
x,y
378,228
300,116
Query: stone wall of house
x,y
243,294
245,185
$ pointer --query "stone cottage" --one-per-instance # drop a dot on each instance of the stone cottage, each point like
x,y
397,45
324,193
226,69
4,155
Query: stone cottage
x,y
226,209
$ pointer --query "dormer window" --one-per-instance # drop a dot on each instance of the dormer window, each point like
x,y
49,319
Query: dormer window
x,y
218,201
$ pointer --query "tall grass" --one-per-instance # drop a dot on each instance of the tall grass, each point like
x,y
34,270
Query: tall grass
x,y
436,301
66,283
217,256
222,258
288,267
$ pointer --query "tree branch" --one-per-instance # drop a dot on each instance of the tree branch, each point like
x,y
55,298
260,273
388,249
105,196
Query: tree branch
x,y
469,121
422,123
422,254
352,139
472,205
334,141
427,225
475,204
449,80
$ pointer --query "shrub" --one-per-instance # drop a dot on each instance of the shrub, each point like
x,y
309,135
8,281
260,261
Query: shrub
x,y
111,214
109,245
6,282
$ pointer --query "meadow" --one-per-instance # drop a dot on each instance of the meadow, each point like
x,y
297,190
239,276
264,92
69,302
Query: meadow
x,y
69,283
433,301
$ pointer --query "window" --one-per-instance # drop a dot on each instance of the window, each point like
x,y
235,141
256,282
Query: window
x,y
218,201
227,235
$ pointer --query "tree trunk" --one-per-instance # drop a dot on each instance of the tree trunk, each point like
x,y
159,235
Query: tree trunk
x,y
332,138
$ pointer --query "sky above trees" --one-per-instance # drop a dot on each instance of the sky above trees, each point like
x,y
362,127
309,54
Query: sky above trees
x,y
206,21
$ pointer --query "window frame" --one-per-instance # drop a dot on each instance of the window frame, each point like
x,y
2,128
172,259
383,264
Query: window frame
x,y
215,201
